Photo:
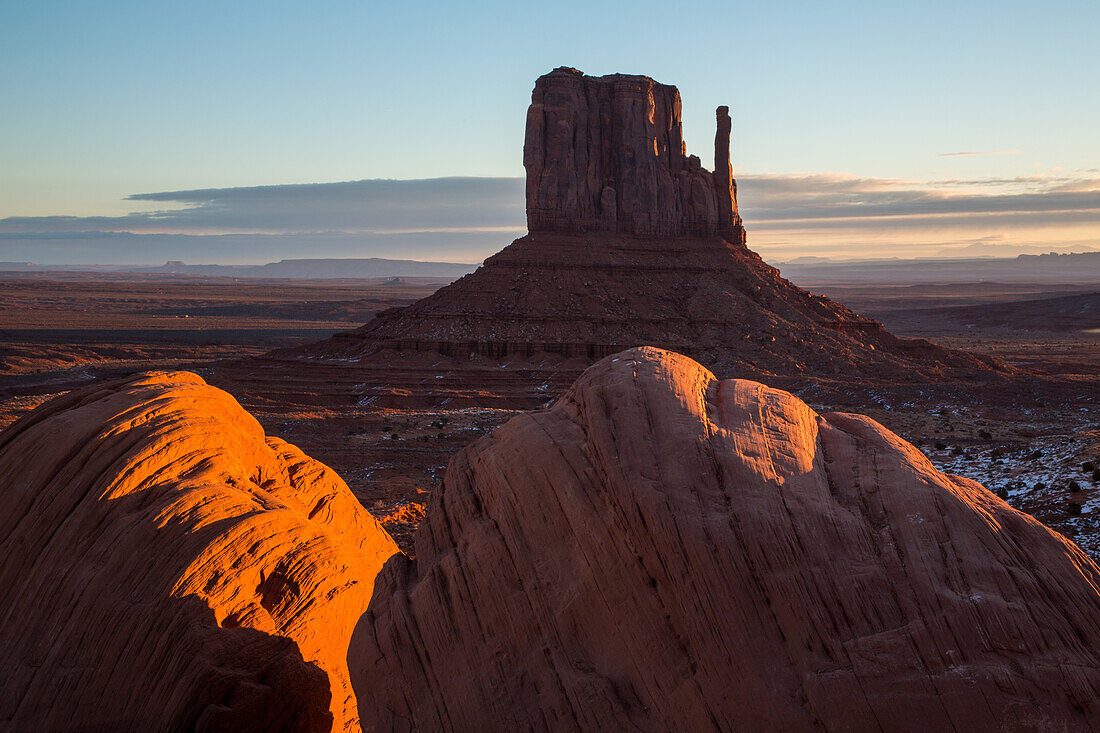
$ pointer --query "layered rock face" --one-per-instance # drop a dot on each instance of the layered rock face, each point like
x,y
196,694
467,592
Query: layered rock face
x,y
592,295
607,154
665,551
168,567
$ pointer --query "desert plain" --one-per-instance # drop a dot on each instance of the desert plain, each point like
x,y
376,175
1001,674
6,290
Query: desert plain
x,y
63,330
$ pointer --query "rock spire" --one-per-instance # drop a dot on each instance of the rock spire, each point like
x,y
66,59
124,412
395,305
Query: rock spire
x,y
632,242
607,154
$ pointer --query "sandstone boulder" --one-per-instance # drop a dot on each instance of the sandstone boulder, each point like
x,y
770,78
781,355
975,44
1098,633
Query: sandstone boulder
x,y
167,567
661,550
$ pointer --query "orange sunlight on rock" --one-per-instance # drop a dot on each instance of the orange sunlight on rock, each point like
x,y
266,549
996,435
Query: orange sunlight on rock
x,y
175,568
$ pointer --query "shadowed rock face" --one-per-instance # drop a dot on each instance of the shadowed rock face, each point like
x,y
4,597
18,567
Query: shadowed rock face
x,y
633,243
167,567
607,154
661,550
592,295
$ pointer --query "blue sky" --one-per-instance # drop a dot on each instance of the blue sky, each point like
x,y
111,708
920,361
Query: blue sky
x,y
105,100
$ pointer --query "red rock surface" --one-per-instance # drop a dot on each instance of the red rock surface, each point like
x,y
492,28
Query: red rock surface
x,y
607,154
662,550
590,295
166,566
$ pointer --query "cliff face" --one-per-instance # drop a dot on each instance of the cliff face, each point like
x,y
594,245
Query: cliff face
x,y
168,567
607,154
665,551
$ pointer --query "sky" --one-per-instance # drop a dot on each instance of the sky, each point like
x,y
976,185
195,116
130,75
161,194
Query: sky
x,y
136,132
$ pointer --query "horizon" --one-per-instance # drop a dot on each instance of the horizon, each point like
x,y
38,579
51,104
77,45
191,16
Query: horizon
x,y
797,261
859,131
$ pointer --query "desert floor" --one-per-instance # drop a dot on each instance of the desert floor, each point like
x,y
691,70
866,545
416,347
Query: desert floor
x,y
60,331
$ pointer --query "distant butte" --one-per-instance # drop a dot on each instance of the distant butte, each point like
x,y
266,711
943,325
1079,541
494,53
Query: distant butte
x,y
632,242
607,154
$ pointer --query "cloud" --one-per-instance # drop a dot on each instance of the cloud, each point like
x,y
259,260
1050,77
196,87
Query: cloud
x,y
828,196
978,152
128,248
369,206
838,215
466,219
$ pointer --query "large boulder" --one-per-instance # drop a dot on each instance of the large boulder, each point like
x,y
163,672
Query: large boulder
x,y
167,567
661,550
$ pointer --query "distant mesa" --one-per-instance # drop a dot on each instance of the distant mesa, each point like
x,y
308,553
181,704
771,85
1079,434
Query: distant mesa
x,y
662,550
331,268
632,242
1077,268
166,566
366,267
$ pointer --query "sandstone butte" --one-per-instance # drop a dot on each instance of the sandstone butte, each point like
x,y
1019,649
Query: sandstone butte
x,y
662,550
632,242
165,566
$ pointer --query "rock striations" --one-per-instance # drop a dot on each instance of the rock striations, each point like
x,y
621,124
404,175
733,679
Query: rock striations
x,y
607,154
662,550
633,243
659,550
168,567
